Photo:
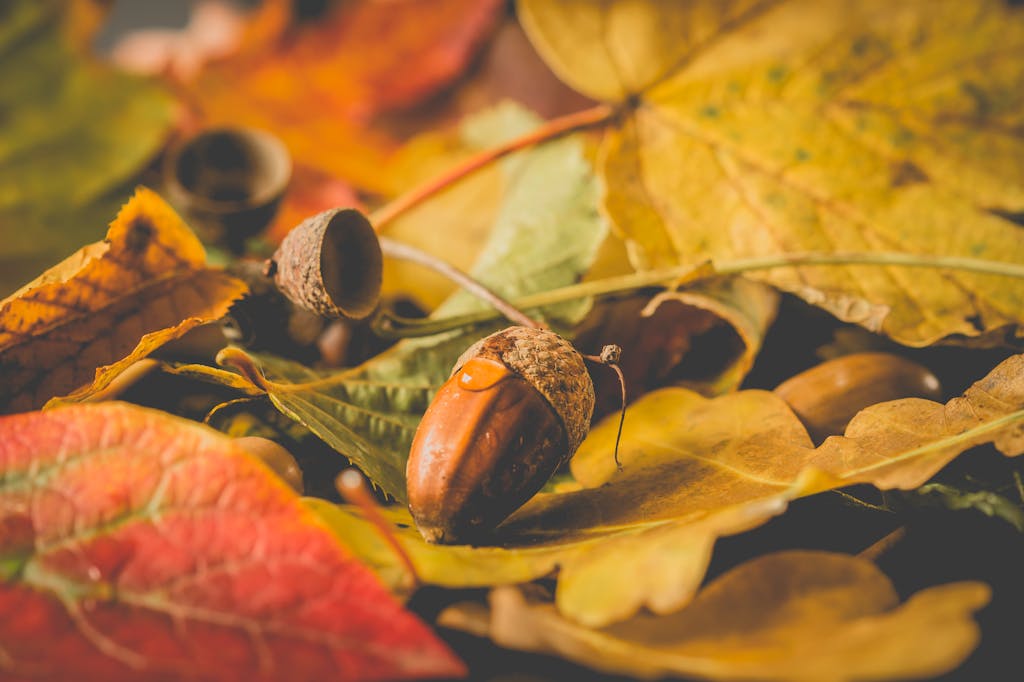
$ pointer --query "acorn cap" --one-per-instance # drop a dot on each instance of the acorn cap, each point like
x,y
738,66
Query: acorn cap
x,y
552,365
229,181
331,264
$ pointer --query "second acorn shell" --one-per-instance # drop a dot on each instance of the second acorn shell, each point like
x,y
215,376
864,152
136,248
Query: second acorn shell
x,y
331,264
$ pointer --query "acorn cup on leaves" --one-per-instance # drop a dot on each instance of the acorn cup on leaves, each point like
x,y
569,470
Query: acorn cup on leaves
x,y
331,264
229,181
518,404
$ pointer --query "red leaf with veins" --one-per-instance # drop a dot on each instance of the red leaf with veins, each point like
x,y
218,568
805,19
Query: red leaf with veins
x,y
138,546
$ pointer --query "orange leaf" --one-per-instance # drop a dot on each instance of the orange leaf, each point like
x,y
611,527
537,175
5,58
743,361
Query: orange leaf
x,y
139,546
108,305
318,87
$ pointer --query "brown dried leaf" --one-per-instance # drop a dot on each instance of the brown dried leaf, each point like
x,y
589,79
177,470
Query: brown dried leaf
x,y
88,318
705,337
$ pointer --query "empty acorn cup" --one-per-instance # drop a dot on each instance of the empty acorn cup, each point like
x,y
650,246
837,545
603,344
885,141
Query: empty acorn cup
x,y
331,264
229,182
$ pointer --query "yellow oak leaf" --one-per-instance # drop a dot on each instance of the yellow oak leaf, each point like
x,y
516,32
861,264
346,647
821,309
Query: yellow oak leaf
x,y
88,318
795,615
759,128
696,469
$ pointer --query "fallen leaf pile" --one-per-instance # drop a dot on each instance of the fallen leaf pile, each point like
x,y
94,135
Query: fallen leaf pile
x,y
739,191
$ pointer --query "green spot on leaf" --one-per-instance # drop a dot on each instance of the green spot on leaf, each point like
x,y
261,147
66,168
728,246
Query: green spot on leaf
x,y
777,74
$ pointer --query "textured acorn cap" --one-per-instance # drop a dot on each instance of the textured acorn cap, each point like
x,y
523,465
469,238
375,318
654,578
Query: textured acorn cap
x,y
331,264
552,365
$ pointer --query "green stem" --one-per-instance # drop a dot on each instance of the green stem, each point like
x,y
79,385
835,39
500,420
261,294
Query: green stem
x,y
883,258
857,502
395,249
390,325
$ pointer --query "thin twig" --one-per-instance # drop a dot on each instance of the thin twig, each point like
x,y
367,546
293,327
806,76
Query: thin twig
x,y
550,130
689,274
395,249
353,488
609,357
877,550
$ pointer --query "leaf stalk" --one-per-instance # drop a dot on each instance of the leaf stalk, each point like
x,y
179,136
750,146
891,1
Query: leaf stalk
x,y
398,250
553,129
391,325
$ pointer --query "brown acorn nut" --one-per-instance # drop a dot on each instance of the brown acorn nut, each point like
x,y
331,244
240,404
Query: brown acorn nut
x,y
276,457
518,404
331,264
827,396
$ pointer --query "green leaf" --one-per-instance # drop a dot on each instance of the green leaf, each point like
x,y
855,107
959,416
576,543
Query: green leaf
x,y
987,502
74,135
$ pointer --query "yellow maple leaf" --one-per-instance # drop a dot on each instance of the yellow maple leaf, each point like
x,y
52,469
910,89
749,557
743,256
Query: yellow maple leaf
x,y
760,127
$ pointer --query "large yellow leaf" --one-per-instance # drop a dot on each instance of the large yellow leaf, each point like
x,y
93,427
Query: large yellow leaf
x,y
85,320
785,616
764,127
694,470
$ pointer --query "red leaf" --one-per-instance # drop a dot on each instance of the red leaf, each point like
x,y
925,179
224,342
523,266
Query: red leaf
x,y
138,546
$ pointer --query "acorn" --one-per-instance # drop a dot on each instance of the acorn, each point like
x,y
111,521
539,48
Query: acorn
x,y
517,404
275,456
827,396
330,264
